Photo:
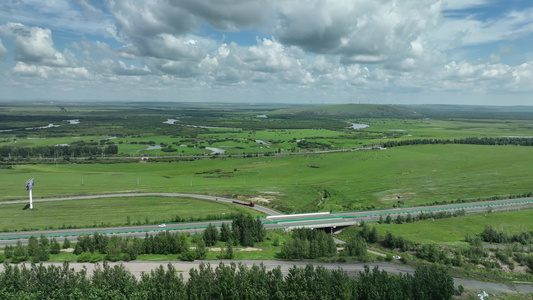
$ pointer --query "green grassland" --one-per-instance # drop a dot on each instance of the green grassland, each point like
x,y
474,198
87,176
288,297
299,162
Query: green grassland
x,y
308,181
111,212
311,182
239,141
453,231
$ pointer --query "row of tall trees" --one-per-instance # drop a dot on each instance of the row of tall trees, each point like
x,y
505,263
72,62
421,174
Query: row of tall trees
x,y
502,141
78,150
38,249
422,216
222,282
308,243
245,230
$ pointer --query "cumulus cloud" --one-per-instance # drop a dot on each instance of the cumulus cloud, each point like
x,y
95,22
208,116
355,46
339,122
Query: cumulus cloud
x,y
231,15
23,69
45,72
167,46
34,45
271,56
3,49
305,49
359,31
122,69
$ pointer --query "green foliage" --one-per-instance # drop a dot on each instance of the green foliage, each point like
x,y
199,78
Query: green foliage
x,y
210,235
393,242
307,243
246,231
491,235
227,253
388,220
517,141
33,245
225,232
161,284
189,255
42,255
357,247
55,248
222,282
66,243
84,257
201,250
20,253
8,251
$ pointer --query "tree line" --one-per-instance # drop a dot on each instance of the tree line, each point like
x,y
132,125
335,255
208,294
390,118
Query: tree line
x,y
491,235
233,281
502,141
422,216
306,243
77,149
244,231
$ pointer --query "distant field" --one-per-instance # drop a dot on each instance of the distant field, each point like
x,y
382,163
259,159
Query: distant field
x,y
237,142
453,231
335,181
309,182
111,212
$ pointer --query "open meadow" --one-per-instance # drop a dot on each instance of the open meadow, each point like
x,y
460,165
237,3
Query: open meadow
x,y
113,212
452,231
312,182
282,157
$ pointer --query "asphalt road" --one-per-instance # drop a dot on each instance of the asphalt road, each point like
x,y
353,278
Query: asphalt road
x,y
278,221
260,208
275,221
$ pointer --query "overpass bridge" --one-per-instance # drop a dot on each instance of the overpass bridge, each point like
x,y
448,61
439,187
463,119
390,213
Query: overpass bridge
x,y
330,221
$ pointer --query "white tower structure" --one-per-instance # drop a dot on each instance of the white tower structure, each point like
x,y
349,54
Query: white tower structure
x,y
29,186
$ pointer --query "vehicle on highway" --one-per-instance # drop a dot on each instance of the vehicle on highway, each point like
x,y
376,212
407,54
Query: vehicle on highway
x,y
251,204
162,225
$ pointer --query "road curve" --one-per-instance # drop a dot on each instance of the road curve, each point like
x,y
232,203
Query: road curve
x,y
265,210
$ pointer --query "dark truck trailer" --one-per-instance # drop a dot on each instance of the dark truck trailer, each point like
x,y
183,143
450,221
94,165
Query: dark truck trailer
x,y
251,204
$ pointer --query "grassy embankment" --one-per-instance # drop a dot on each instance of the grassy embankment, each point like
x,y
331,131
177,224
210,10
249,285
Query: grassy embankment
x,y
112,212
452,231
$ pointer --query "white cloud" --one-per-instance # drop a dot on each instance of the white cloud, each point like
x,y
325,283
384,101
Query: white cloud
x,y
313,49
34,45
468,31
23,69
131,70
72,16
269,56
3,49
46,72
464,4
359,31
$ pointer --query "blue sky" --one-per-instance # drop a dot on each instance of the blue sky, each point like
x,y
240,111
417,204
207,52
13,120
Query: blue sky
x,y
250,51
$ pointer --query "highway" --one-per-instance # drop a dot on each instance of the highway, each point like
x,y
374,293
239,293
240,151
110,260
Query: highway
x,y
274,219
